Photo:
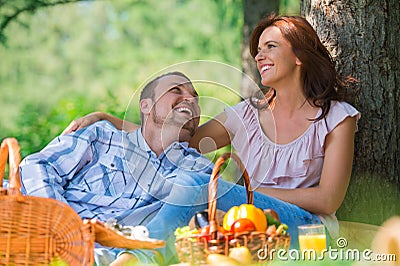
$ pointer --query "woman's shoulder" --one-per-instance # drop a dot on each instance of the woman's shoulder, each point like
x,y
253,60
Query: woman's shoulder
x,y
344,107
240,105
338,112
244,112
244,109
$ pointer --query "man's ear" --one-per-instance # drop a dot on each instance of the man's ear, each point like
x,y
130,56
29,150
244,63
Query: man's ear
x,y
146,105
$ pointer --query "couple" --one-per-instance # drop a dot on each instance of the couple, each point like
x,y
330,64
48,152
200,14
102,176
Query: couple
x,y
300,141
148,176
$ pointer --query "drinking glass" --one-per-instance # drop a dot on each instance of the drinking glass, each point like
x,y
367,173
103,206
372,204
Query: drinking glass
x,y
312,236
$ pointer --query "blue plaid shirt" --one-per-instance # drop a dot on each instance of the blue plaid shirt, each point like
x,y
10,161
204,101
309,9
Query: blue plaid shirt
x,y
106,173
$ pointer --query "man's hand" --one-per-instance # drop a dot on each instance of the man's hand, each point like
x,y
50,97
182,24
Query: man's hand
x,y
125,259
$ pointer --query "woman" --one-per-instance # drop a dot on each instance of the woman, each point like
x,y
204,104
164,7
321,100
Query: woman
x,y
297,142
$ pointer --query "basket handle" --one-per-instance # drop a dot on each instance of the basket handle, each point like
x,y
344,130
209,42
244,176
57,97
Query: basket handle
x,y
212,189
10,149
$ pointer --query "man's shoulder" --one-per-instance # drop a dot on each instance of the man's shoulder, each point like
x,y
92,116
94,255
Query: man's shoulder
x,y
103,127
100,130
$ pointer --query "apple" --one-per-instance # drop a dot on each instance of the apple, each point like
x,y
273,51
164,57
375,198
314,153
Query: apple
x,y
220,260
241,254
243,225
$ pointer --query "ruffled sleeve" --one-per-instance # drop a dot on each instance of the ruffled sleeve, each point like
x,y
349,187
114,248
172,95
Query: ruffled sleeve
x,y
337,114
340,111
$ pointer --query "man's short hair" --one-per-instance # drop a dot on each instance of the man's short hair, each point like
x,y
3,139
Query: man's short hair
x,y
148,90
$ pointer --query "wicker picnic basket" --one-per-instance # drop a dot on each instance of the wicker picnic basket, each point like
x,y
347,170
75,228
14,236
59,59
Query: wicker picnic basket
x,y
42,231
194,249
38,231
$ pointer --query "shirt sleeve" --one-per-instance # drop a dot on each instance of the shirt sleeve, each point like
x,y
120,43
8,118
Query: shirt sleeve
x,y
339,112
46,173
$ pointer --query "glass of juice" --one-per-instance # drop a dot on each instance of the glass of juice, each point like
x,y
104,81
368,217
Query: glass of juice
x,y
312,237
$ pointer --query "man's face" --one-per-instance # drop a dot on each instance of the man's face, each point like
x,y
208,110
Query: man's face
x,y
176,105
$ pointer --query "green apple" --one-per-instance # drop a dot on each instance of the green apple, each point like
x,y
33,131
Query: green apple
x,y
241,254
221,260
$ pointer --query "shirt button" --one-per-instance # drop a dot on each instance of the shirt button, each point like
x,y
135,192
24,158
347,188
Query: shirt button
x,y
112,165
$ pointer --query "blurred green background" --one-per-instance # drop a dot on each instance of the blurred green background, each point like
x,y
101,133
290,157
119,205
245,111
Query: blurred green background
x,y
68,60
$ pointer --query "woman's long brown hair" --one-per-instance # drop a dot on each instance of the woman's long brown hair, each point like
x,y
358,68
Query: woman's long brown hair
x,y
321,83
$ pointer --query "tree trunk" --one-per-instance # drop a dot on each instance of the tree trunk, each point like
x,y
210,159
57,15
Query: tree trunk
x,y
363,38
254,10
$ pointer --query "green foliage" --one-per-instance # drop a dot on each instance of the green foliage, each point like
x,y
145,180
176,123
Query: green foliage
x,y
38,126
370,199
72,59
63,61
289,7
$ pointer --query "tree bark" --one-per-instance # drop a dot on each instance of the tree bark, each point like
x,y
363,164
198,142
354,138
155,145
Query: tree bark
x,y
254,10
363,38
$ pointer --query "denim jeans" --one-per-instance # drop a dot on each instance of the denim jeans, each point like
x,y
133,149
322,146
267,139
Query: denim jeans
x,y
190,195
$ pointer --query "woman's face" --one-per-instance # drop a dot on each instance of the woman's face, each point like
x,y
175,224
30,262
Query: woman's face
x,y
275,59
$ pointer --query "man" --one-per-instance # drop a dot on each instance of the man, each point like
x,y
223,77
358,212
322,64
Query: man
x,y
105,173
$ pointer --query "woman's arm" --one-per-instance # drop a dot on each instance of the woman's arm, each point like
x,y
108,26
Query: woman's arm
x,y
97,116
211,135
335,177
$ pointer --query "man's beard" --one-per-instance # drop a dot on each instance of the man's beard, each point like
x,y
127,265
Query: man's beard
x,y
173,120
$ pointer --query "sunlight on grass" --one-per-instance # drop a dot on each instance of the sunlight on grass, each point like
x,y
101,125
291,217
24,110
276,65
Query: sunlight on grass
x,y
370,199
